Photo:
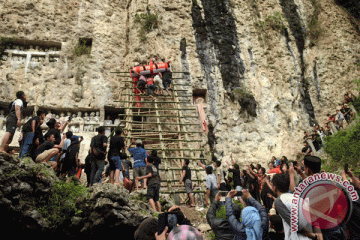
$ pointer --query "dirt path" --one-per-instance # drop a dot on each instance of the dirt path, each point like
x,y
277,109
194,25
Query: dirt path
x,y
197,217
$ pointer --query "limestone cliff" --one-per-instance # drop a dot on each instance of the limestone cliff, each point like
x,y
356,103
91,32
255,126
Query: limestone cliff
x,y
271,69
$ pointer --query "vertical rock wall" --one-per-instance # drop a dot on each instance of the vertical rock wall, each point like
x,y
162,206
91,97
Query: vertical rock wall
x,y
266,81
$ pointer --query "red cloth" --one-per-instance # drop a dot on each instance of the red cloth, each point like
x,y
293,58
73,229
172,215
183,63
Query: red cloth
x,y
275,170
149,81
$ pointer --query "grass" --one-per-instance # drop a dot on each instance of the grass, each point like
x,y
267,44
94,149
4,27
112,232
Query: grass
x,y
81,49
314,24
60,204
273,21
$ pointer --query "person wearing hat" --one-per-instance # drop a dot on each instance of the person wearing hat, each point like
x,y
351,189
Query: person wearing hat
x,y
140,157
13,121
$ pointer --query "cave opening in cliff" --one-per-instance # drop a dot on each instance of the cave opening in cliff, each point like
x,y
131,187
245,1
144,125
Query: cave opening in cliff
x,y
26,44
86,43
199,95
114,114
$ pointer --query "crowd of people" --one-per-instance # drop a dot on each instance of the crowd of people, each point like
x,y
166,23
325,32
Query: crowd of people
x,y
343,114
252,198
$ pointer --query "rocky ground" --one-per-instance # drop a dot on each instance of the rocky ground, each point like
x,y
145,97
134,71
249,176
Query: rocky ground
x,y
106,211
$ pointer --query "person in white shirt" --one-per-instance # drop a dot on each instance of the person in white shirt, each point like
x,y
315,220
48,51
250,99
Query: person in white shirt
x,y
13,121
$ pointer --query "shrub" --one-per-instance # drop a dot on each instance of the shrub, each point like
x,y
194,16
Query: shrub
x,y
314,24
60,204
273,21
344,147
81,49
148,22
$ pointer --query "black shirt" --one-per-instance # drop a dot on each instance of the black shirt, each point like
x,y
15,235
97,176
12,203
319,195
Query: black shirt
x,y
236,176
43,147
187,173
116,145
155,179
28,125
97,143
167,75
72,150
56,133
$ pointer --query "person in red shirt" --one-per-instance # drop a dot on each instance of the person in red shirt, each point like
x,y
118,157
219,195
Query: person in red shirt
x,y
273,169
150,86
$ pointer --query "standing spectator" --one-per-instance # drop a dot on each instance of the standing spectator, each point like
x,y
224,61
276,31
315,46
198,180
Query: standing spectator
x,y
254,219
98,147
281,184
254,184
156,159
29,129
71,161
347,113
153,188
277,225
211,185
236,173
340,119
13,121
66,144
221,227
186,178
316,140
306,149
116,145
140,157
220,178
125,164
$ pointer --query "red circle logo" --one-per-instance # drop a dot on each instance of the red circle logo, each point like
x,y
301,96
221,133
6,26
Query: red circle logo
x,y
324,206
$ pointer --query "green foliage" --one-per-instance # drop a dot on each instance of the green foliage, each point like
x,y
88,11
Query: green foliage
x,y
221,212
344,147
81,49
314,24
60,204
273,21
148,22
212,236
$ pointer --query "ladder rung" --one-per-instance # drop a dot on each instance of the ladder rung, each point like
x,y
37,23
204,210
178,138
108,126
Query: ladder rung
x,y
190,158
157,131
133,123
159,109
177,169
174,192
153,101
167,140
174,116
176,180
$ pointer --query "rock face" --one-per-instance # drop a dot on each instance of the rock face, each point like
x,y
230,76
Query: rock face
x,y
270,69
107,211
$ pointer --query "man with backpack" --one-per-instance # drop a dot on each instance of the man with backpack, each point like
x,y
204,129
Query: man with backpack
x,y
98,147
13,121
29,129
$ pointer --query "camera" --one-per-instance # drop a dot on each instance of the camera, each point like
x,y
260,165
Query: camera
x,y
239,194
346,168
170,220
223,193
